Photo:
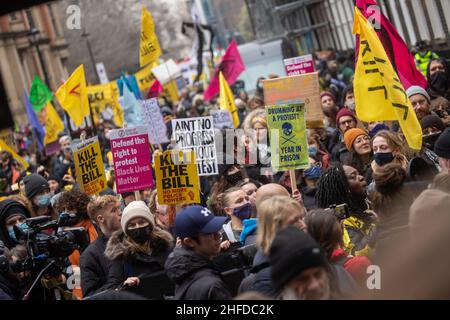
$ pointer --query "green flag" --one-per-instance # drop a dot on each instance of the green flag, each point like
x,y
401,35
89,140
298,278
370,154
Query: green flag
x,y
39,94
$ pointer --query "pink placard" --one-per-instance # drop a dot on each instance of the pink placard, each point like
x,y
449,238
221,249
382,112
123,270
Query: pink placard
x,y
132,159
299,65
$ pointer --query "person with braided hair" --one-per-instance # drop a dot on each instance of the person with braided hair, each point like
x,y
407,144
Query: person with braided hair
x,y
343,184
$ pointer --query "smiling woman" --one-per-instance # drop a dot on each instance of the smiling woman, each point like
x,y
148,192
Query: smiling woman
x,y
358,144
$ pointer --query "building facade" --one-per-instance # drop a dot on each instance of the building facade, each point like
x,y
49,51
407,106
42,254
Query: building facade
x,y
320,24
31,43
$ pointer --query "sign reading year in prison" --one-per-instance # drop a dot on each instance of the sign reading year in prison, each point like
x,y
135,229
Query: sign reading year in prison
x,y
177,177
89,166
287,128
197,134
132,159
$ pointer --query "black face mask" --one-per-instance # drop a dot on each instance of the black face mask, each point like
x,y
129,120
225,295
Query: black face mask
x,y
440,81
140,235
429,140
234,178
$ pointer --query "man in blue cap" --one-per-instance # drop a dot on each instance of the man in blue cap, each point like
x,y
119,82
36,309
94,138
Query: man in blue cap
x,y
190,264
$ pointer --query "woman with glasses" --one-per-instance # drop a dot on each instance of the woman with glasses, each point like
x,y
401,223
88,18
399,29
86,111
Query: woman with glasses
x,y
360,154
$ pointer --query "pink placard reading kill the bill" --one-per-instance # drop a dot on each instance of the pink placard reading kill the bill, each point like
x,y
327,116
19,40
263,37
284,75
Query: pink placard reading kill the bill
x,y
299,65
132,159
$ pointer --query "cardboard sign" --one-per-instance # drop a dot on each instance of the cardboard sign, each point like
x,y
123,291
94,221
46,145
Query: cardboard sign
x,y
289,145
132,160
197,134
297,89
177,177
222,119
151,116
89,166
299,65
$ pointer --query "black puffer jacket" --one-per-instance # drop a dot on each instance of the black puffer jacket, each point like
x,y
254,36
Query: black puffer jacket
x,y
128,262
94,267
196,277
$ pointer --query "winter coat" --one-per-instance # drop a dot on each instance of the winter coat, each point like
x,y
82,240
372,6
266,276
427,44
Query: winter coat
x,y
9,290
94,267
309,197
196,277
260,279
127,261
355,266
248,234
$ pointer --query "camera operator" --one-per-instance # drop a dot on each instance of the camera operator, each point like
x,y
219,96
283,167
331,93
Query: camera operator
x,y
105,211
12,213
10,285
37,191
76,202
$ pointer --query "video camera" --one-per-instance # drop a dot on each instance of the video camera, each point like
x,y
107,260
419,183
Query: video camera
x,y
48,241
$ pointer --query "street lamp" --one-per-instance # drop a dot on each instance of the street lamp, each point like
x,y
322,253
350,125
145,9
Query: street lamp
x,y
34,35
91,54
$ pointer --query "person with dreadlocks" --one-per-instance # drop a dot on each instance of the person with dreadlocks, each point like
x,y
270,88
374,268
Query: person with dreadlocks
x,y
343,184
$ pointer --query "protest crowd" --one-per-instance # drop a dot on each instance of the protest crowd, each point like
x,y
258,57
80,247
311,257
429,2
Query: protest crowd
x,y
311,212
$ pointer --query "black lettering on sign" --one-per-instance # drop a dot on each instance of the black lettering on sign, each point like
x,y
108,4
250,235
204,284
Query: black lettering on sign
x,y
380,88
405,108
366,47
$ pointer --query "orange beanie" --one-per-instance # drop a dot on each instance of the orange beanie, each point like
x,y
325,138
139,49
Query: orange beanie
x,y
351,135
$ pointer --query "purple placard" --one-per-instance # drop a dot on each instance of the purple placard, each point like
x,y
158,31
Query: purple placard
x,y
132,159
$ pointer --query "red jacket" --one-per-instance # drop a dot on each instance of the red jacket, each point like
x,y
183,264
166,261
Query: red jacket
x,y
356,266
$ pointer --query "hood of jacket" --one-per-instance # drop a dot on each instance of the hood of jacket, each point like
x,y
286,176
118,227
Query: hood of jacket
x,y
182,263
119,246
249,227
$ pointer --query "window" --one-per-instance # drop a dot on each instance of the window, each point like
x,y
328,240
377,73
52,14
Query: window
x,y
54,21
30,19
13,16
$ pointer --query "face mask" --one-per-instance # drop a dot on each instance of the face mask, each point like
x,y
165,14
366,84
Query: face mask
x,y
140,235
430,139
12,234
243,212
383,158
312,151
234,178
44,200
313,173
439,81
351,106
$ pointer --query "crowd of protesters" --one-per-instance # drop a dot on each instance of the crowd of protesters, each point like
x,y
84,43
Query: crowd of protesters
x,y
367,199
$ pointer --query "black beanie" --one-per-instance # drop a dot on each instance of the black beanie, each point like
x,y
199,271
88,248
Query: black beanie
x,y
442,145
34,183
432,120
292,252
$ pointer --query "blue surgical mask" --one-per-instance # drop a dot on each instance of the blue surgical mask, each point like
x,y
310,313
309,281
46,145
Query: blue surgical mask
x,y
312,150
243,212
12,234
383,158
313,173
44,200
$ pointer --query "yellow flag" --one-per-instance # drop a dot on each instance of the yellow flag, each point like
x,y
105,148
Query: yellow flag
x,y
379,94
226,100
145,77
5,147
149,47
53,124
171,90
116,108
72,96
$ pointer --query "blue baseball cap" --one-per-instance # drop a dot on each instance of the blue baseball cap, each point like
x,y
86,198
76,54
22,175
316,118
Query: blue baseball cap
x,y
194,220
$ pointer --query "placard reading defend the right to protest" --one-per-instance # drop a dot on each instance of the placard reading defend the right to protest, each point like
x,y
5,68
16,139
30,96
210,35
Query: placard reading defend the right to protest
x,y
289,145
197,134
177,177
132,160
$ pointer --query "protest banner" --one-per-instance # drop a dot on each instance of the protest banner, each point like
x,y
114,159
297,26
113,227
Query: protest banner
x,y
90,172
287,128
151,117
177,177
297,89
197,134
222,119
145,77
299,65
132,159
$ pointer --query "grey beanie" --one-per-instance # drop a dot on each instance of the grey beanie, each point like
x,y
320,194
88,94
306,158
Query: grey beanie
x,y
413,90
